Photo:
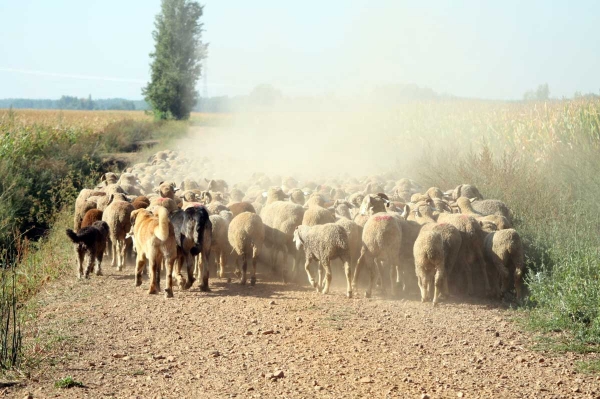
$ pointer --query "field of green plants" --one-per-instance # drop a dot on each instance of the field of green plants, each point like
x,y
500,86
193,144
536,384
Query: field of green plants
x,y
540,158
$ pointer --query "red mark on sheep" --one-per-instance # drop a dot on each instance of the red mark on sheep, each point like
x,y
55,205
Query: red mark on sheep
x,y
383,217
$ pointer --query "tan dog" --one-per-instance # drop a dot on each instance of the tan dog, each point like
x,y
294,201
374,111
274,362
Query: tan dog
x,y
154,241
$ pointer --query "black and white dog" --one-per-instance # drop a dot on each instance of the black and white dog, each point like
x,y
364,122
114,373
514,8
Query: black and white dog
x,y
193,233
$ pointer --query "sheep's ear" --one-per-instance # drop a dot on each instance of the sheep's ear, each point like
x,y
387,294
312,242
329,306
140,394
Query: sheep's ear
x,y
110,199
472,199
103,178
264,194
160,183
405,212
176,189
418,212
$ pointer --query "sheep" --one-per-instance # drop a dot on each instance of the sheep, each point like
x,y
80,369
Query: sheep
x,y
220,247
130,184
238,207
108,178
166,189
382,239
434,192
91,216
315,200
341,208
164,202
297,196
492,207
217,185
118,217
82,205
103,201
501,221
471,251
141,202
406,267
356,199
246,236
324,243
465,190
317,215
373,203
113,189
236,195
275,194
429,264
280,219
503,249
452,241
354,233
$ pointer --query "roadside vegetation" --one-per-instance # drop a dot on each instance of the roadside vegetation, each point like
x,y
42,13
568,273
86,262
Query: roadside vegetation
x,y
44,162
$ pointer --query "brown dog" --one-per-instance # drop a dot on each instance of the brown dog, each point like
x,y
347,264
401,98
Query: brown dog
x,y
154,239
90,240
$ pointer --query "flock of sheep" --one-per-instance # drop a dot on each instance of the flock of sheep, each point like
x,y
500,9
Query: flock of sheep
x,y
445,243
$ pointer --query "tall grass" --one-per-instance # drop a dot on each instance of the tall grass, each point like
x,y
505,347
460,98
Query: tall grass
x,y
551,181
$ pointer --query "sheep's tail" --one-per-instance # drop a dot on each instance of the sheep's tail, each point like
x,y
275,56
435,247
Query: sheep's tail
x,y
162,230
73,236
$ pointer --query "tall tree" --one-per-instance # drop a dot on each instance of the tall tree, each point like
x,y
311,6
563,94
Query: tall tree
x,y
176,60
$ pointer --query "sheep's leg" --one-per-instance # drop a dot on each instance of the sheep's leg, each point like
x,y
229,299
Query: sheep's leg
x,y
483,265
502,271
219,261
140,263
205,270
394,272
380,266
255,251
284,264
372,271
319,276
311,280
518,281
327,268
244,267
359,265
348,272
113,247
123,252
421,287
439,285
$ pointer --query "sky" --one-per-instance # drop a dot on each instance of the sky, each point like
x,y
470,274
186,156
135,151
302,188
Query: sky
x,y
483,49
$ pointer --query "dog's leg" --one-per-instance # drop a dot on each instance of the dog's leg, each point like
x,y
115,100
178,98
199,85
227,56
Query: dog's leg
x,y
190,262
99,256
80,255
169,266
154,266
205,271
140,263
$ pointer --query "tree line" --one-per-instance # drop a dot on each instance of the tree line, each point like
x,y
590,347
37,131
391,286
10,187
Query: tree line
x,y
72,102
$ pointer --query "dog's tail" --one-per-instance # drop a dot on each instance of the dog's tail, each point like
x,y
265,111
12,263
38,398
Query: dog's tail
x,y
162,230
73,236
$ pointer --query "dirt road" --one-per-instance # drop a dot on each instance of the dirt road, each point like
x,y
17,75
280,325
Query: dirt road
x,y
282,341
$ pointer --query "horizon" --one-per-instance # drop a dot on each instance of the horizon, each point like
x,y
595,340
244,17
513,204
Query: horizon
x,y
464,49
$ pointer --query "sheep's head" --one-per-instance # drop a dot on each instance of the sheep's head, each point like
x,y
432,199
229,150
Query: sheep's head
x,y
464,205
373,204
435,192
189,196
205,197
297,196
166,189
236,195
342,208
488,226
276,194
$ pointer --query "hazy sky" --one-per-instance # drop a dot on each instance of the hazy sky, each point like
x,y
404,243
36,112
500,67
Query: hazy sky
x,y
467,48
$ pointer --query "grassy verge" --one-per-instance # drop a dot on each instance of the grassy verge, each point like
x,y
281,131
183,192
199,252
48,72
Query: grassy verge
x,y
42,168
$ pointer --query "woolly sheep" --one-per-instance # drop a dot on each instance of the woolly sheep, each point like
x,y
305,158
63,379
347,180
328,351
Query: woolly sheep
x,y
315,215
466,190
280,219
118,217
324,243
297,196
429,265
220,245
82,205
382,239
238,207
452,241
275,194
91,216
246,236
504,250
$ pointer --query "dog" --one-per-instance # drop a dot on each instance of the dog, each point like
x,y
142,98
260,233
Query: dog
x,y
154,240
90,240
193,233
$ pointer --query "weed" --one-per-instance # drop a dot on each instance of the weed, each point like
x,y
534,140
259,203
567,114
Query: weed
x,y
68,382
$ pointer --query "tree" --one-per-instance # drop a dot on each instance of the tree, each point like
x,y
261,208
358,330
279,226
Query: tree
x,y
542,93
176,60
